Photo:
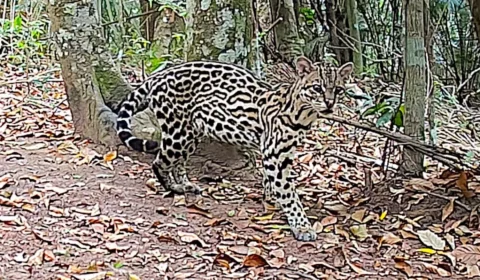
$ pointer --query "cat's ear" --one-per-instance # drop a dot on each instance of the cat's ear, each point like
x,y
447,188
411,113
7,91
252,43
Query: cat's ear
x,y
304,66
345,70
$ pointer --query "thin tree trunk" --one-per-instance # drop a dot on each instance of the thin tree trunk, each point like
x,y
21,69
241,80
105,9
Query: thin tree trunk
x,y
287,40
351,6
149,19
415,85
336,23
429,72
475,10
166,26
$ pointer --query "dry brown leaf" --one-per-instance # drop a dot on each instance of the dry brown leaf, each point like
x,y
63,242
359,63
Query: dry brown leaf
x,y
57,190
317,226
390,239
279,253
254,261
450,240
113,246
34,146
340,231
306,267
242,250
49,256
264,218
224,260
359,215
110,156
183,275
404,267
473,271
467,254
306,158
337,207
133,277
329,220
195,209
418,184
462,184
359,270
37,258
436,269
93,276
214,222
360,231
277,262
448,209
431,239
189,237
5,180
162,268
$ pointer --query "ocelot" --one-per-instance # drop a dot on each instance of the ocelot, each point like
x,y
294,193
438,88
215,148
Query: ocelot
x,y
229,104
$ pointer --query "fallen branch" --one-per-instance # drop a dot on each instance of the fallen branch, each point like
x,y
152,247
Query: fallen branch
x,y
450,158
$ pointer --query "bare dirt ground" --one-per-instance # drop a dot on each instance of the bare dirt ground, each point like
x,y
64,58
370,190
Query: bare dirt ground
x,y
67,212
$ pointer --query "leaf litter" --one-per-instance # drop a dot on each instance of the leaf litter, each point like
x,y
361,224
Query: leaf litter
x,y
71,212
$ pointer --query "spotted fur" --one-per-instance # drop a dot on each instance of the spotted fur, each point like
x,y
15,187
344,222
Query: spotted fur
x,y
229,104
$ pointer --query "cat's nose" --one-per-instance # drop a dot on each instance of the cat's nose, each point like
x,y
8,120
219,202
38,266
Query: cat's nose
x,y
329,103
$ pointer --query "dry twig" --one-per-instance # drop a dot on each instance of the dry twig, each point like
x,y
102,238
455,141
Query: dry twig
x,y
450,158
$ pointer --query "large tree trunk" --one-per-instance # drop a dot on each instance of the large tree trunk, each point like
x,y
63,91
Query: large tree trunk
x,y
93,83
287,40
415,85
351,6
220,30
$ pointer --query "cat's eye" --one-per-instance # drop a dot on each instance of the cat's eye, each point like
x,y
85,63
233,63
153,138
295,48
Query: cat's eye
x,y
338,90
317,88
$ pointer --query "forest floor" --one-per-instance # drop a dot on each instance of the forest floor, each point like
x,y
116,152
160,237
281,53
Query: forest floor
x,y
68,212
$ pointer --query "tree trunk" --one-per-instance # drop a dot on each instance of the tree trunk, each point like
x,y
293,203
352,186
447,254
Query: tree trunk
x,y
415,85
429,72
336,24
168,24
149,18
287,40
220,30
92,81
351,6
475,10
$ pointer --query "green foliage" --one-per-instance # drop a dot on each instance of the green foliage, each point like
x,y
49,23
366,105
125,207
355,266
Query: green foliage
x,y
309,14
23,39
127,39
386,111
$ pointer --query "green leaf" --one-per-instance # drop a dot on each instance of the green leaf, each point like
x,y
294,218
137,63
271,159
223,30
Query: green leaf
x,y
398,121
17,23
385,118
375,109
118,265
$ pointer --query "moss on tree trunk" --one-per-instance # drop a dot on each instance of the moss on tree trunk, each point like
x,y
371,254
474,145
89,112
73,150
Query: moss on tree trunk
x,y
92,81
220,30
